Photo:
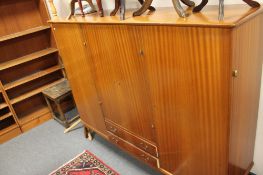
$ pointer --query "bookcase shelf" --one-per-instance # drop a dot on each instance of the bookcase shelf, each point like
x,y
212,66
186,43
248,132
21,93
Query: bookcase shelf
x,y
29,64
34,92
27,58
9,114
23,33
3,105
32,77
34,115
8,129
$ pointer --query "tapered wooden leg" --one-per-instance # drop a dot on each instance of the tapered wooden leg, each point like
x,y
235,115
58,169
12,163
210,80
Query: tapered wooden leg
x,y
151,8
200,6
252,3
101,13
117,7
179,9
81,8
144,7
93,9
88,133
188,3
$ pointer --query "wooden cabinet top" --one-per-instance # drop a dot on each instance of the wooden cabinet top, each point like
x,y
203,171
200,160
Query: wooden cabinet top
x,y
234,16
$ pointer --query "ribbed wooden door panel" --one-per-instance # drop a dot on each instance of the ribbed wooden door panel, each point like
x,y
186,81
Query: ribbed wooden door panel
x,y
77,62
120,77
189,78
247,60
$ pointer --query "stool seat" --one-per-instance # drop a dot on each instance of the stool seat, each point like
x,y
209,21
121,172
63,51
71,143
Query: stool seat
x,y
58,90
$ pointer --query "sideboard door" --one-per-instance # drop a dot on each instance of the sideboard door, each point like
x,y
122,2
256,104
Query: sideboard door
x,y
77,62
189,75
120,78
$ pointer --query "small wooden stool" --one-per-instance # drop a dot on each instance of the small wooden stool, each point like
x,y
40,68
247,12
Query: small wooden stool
x,y
56,94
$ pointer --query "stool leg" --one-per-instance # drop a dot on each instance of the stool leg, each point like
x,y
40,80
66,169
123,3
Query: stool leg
x,y
49,106
72,9
81,8
93,9
101,13
61,113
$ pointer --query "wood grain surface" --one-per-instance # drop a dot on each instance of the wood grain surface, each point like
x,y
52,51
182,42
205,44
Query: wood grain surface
x,y
189,79
15,16
247,42
131,138
78,64
172,85
119,78
139,154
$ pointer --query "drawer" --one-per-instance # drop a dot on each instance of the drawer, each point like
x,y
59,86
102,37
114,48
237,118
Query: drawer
x,y
129,137
141,155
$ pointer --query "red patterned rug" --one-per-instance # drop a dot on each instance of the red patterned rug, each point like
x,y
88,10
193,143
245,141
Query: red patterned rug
x,y
85,164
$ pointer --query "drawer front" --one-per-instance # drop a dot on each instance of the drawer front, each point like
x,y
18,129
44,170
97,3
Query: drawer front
x,y
140,143
143,156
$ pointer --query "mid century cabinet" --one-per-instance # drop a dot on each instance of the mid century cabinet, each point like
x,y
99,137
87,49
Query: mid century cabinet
x,y
181,95
29,63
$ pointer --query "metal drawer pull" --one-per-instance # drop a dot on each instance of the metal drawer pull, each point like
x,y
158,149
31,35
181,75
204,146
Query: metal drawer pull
x,y
146,158
145,147
115,140
113,129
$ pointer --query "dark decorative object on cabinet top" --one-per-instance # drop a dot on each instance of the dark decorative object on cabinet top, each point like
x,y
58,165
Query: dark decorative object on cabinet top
x,y
72,7
121,5
179,9
198,8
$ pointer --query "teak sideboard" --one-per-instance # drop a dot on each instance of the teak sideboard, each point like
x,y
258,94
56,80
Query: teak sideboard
x,y
181,95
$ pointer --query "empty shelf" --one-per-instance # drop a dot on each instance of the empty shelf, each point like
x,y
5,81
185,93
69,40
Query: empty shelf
x,y
5,116
35,114
3,105
34,92
27,58
23,33
32,77
8,129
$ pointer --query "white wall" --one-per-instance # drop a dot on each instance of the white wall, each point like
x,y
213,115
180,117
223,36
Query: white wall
x,y
63,10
